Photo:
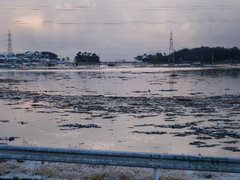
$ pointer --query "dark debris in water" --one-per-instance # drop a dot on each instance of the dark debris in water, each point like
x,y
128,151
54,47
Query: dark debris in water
x,y
233,149
182,134
217,134
109,117
203,137
78,126
230,142
201,144
172,126
219,126
197,143
12,81
208,145
4,121
8,138
220,120
47,111
22,122
150,132
144,116
204,106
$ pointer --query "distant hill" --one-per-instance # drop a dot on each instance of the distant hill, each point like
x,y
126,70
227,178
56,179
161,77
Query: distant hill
x,y
203,55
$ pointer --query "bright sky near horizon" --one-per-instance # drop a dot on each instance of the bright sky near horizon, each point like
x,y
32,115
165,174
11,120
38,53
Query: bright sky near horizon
x,y
118,29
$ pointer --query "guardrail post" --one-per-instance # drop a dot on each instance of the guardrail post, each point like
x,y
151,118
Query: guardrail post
x,y
156,175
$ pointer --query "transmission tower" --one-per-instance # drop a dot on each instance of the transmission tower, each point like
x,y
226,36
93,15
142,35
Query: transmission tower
x,y
10,51
171,49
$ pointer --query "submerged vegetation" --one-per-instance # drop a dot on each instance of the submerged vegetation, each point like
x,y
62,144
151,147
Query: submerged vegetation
x,y
202,55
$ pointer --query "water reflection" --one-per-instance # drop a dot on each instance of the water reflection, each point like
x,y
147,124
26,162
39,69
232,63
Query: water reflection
x,y
233,73
214,73
133,106
128,82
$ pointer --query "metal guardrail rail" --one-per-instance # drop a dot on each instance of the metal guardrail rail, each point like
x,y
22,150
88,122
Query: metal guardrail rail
x,y
121,158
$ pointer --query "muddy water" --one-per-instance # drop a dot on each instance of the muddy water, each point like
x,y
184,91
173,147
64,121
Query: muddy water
x,y
164,110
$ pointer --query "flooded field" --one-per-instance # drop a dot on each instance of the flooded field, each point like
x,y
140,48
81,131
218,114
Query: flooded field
x,y
147,109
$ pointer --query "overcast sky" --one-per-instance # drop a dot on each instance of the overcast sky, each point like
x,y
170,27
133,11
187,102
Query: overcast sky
x,y
118,29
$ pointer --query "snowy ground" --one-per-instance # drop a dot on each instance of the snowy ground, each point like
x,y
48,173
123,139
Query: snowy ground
x,y
39,170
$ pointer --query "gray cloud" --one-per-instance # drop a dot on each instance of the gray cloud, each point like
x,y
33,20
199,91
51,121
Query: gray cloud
x,y
119,29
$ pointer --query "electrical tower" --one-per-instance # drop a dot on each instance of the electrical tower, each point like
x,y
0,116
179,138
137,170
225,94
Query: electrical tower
x,y
171,49
10,51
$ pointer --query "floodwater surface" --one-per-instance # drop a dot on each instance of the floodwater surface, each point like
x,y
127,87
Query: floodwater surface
x,y
147,109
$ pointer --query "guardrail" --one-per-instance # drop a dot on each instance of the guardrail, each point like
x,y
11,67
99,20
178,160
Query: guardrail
x,y
121,158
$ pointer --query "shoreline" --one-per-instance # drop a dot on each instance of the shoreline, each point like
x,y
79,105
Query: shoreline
x,y
132,66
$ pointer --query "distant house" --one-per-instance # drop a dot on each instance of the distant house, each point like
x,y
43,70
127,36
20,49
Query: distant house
x,y
2,58
29,58
196,64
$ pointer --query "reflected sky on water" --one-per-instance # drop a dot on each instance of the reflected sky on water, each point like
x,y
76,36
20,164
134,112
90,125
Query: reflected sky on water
x,y
125,102
118,29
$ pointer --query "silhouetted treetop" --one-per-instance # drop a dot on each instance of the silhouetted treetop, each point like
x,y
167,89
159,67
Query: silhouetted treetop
x,y
49,55
86,58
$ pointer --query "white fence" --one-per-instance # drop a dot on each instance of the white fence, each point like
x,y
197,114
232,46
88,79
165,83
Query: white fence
x,y
121,158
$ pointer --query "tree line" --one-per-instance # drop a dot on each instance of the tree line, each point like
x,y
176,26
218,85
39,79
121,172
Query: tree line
x,y
86,58
203,55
